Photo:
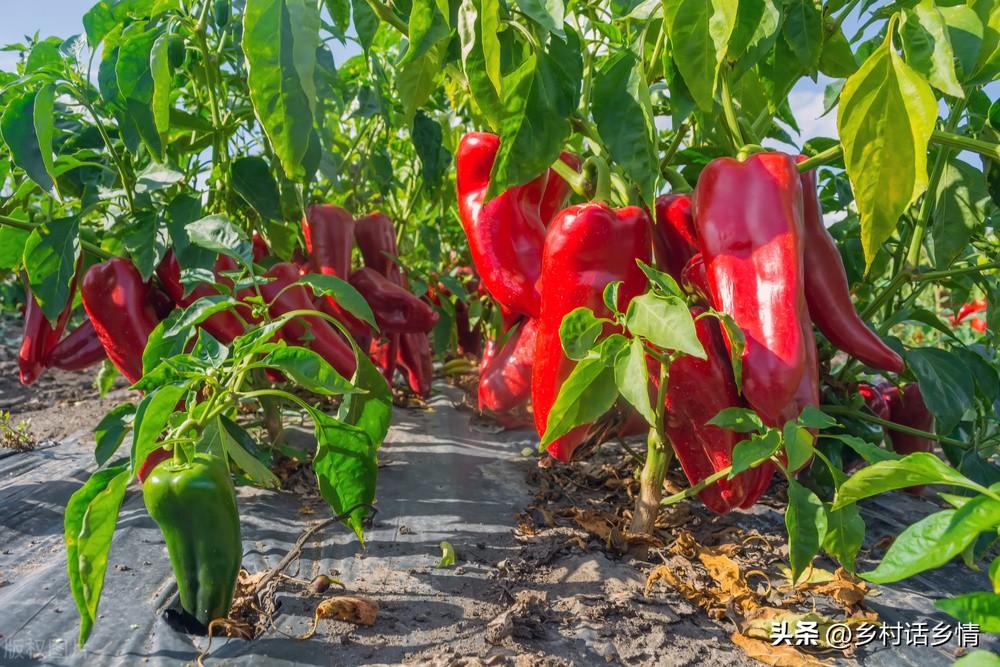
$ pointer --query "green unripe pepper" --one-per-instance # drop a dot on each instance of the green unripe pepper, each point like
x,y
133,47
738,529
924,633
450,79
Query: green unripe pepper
x,y
195,506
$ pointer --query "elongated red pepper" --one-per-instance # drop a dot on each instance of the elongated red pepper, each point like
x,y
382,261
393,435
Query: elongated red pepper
x,y
309,331
505,378
874,400
376,237
80,349
39,336
697,390
505,235
749,220
675,240
907,407
470,338
117,301
587,247
224,326
396,309
384,355
557,189
828,293
415,358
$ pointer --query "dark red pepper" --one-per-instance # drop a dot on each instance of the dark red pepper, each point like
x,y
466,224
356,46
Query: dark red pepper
x,y
587,247
749,221
828,293
384,355
874,400
117,301
505,377
224,326
507,233
376,237
396,309
415,358
557,189
470,338
80,349
309,331
675,240
694,279
907,407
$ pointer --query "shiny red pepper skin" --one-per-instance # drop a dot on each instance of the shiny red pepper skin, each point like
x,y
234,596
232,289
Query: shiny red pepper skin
x,y
907,407
874,400
383,354
505,378
505,235
117,302
81,348
376,237
749,219
828,293
694,279
675,240
309,331
557,189
396,309
415,357
38,339
697,390
587,247
224,326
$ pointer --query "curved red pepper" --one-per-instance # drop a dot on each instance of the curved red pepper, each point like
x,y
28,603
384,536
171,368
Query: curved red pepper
x,y
749,220
117,301
907,407
828,293
415,357
874,400
505,376
697,390
396,309
376,237
675,240
587,247
383,354
309,331
39,336
224,326
505,235
81,348
557,189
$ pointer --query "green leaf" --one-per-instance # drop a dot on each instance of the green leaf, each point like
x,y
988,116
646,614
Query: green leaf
x,y
91,515
418,78
346,468
986,376
912,470
886,116
751,453
982,609
741,420
309,370
428,143
427,26
252,180
699,33
343,293
946,384
151,417
478,33
587,393
813,417
136,85
928,49
803,30
758,23
12,242
209,351
844,536
159,67
632,378
548,14
370,409
664,321
623,112
968,38
664,281
146,242
238,444
110,431
365,23
50,258
280,38
806,523
218,234
447,555
798,442
737,343
866,450
19,132
579,331
935,540
837,59
961,207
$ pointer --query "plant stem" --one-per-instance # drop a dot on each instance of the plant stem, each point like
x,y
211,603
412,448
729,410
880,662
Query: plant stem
x,y
729,111
825,157
898,280
385,13
863,416
576,181
692,491
647,504
677,181
962,143
94,250
948,273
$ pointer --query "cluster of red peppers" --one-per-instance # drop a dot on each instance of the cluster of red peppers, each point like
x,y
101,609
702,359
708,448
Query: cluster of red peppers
x,y
968,312
750,243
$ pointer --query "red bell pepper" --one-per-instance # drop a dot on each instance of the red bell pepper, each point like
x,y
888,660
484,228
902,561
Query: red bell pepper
x,y
749,219
587,247
907,407
506,234
309,331
557,189
80,349
675,240
694,279
415,357
697,390
117,301
376,237
396,309
505,376
828,294
224,326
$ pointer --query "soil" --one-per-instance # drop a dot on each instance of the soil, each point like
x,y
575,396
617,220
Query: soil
x,y
545,573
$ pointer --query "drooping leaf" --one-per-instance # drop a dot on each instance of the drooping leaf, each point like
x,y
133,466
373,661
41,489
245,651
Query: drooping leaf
x,y
699,32
50,259
806,523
